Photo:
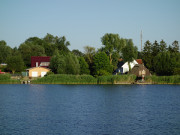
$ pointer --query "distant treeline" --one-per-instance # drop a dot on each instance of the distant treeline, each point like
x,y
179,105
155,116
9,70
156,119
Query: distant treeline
x,y
158,57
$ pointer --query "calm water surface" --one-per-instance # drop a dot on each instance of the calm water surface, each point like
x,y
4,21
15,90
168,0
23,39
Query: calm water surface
x,y
90,109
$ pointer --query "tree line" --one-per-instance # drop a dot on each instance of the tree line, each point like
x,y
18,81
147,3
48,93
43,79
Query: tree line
x,y
159,58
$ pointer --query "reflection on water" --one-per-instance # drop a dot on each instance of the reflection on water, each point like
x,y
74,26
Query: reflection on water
x,y
89,109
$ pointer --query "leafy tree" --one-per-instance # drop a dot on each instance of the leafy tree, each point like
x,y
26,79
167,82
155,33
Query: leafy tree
x,y
72,64
115,59
162,46
84,67
112,42
101,64
64,64
15,63
155,48
147,55
77,53
129,52
163,64
28,49
57,63
89,53
175,47
5,51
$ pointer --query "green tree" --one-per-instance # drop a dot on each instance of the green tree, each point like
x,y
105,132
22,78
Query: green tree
x,y
112,42
101,64
129,52
89,53
155,48
57,63
174,48
15,63
29,49
77,53
162,46
147,55
84,67
72,64
64,64
5,51
163,64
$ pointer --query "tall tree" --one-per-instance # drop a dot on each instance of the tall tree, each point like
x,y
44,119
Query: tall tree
x,y
101,64
163,64
15,63
77,53
112,42
84,67
162,46
147,55
5,51
155,48
89,53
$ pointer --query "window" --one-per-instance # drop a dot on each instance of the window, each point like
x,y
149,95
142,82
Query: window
x,y
44,63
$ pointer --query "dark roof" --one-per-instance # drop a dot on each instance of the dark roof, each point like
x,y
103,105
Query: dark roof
x,y
139,61
39,59
139,67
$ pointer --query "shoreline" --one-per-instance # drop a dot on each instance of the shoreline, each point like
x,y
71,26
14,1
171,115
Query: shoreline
x,y
120,83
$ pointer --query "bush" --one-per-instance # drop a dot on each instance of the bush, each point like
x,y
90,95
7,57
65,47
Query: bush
x,y
5,77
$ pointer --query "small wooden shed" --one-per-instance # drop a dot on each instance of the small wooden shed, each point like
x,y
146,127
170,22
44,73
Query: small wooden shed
x,y
139,70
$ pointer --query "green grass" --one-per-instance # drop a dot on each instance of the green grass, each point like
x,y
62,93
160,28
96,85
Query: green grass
x,y
6,79
66,79
164,79
116,79
84,79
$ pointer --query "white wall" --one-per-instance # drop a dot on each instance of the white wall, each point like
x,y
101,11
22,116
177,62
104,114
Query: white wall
x,y
126,67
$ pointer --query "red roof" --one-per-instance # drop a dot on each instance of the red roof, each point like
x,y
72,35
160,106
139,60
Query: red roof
x,y
139,61
39,60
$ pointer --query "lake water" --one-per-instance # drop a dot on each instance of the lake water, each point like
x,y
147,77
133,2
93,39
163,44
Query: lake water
x,y
90,109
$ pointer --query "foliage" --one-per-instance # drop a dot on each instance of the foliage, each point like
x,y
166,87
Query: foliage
x,y
5,76
84,67
101,62
66,79
163,64
129,52
163,79
112,43
6,79
89,54
77,53
5,51
15,63
113,79
65,64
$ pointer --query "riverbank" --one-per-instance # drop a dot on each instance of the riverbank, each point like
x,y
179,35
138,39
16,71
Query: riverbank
x,y
88,79
111,79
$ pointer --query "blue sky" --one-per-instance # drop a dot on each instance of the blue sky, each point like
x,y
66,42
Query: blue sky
x,y
84,22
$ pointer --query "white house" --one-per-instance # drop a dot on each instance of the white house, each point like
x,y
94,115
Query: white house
x,y
125,67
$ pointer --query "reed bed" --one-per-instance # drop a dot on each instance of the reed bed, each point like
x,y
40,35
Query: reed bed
x,y
164,79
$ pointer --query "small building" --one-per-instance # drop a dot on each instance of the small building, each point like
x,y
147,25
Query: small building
x,y
140,71
38,71
40,61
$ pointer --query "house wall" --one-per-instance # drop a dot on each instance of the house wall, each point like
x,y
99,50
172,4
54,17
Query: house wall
x,y
39,70
126,66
